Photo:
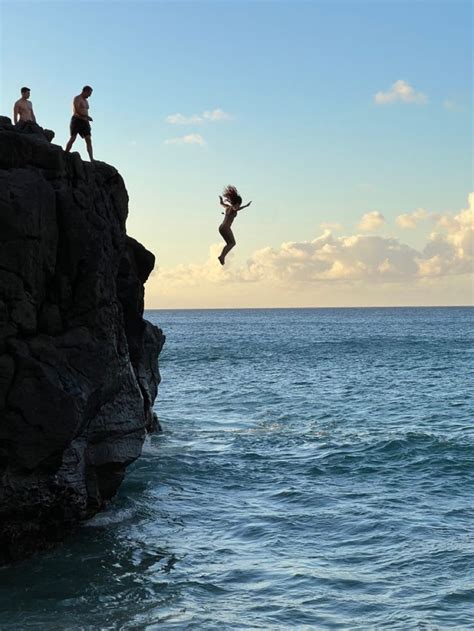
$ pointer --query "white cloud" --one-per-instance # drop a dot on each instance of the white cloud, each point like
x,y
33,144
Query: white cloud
x,y
197,119
216,115
371,221
327,258
402,92
179,119
190,139
450,248
411,220
359,260
194,274
324,259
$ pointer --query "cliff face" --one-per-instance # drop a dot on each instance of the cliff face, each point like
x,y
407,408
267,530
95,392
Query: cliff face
x,y
78,364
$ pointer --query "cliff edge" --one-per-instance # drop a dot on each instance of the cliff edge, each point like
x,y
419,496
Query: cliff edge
x,y
78,363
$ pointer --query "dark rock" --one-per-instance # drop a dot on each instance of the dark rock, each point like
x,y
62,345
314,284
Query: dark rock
x,y
28,127
6,124
78,363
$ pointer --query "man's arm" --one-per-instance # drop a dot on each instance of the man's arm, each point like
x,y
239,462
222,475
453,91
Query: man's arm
x,y
16,113
33,117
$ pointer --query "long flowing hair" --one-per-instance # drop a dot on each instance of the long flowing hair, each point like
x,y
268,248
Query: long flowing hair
x,y
231,194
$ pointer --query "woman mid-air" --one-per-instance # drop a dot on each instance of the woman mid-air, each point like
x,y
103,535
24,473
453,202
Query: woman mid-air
x,y
232,205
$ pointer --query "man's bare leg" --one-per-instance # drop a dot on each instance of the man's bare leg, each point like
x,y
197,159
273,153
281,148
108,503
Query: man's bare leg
x,y
89,147
70,143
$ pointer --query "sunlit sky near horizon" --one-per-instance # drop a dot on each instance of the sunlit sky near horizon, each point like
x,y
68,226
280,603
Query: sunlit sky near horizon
x,y
347,123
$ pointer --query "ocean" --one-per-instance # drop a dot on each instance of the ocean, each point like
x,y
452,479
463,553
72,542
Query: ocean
x,y
315,471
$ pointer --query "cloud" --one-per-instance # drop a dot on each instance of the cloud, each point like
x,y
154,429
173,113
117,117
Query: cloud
x,y
401,92
217,115
411,220
193,274
211,116
190,139
179,119
452,106
324,259
330,259
357,260
450,248
371,221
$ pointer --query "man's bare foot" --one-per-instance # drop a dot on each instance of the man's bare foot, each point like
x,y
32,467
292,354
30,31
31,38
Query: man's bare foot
x,y
221,260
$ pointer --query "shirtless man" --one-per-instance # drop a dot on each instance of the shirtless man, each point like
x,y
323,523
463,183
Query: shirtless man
x,y
80,121
23,108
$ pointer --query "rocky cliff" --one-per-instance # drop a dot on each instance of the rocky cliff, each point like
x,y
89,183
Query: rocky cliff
x,y
78,363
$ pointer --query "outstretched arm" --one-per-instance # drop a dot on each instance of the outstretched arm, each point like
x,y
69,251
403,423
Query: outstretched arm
x,y
246,205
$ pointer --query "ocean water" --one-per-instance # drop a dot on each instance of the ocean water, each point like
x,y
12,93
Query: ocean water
x,y
316,471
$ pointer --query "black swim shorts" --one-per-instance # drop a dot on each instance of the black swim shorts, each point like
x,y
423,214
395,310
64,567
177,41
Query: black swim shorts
x,y
80,126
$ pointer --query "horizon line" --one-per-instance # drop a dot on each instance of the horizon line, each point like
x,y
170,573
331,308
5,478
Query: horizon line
x,y
294,308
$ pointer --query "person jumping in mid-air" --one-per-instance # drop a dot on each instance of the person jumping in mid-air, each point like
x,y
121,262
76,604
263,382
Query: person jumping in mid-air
x,y
232,205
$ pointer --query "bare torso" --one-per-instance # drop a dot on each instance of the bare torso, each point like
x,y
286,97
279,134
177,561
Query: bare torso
x,y
80,107
24,109
230,215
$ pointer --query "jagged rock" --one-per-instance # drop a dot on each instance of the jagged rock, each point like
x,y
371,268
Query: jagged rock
x,y
78,363
26,127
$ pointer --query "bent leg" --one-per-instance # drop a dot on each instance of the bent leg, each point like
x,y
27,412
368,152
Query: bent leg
x,y
70,143
230,243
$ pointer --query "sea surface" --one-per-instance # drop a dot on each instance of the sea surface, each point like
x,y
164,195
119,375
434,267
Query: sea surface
x,y
315,471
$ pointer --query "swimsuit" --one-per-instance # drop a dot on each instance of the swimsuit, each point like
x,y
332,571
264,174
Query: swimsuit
x,y
80,126
227,227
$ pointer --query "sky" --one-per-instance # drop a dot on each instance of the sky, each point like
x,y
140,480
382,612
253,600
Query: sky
x,y
347,123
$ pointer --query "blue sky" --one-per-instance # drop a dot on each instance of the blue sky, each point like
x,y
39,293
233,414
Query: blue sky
x,y
306,140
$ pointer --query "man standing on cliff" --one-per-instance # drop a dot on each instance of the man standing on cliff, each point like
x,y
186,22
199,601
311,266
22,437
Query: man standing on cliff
x,y
80,121
23,108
